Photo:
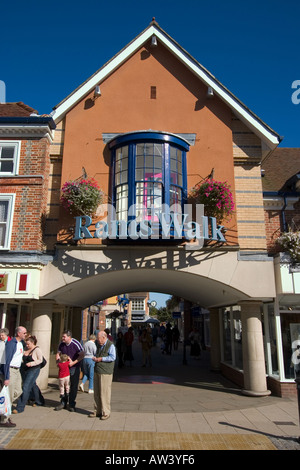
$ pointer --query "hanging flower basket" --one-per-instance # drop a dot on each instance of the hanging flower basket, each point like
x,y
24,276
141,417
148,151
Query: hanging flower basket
x,y
216,197
81,196
289,242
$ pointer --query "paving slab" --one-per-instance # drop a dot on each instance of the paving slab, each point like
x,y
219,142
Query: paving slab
x,y
186,405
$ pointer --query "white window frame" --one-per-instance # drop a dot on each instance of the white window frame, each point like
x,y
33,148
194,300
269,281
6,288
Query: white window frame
x,y
17,145
27,283
137,302
9,222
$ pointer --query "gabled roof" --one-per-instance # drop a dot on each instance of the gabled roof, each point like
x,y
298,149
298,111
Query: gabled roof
x,y
270,137
279,167
16,109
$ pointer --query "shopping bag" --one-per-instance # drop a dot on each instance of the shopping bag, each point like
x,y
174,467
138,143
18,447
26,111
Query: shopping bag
x,y
5,405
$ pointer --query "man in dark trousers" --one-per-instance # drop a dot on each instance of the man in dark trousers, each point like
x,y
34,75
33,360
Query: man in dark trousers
x,y
104,367
73,349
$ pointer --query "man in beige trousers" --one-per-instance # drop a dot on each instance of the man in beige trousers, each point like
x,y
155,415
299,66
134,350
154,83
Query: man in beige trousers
x,y
104,367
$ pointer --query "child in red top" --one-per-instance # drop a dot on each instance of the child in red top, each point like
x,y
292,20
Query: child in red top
x,y
64,375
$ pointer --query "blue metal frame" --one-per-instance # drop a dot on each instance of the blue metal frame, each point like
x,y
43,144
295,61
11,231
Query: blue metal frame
x,y
131,139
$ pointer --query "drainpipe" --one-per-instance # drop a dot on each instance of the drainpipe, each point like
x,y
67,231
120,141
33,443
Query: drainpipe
x,y
283,213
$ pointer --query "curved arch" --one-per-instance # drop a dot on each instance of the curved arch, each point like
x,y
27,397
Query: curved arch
x,y
80,277
198,289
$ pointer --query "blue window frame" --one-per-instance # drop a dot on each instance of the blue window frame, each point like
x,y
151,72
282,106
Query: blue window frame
x,y
148,170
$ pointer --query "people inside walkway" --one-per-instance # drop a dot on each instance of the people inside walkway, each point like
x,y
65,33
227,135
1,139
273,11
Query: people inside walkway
x,y
73,349
146,342
168,338
88,364
12,376
175,337
64,377
104,367
30,369
107,331
154,334
128,338
3,339
120,347
195,340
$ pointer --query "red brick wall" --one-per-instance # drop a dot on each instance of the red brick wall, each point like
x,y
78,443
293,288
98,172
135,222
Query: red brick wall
x,y
31,190
273,229
274,225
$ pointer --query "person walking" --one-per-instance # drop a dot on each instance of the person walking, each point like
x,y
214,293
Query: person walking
x,y
3,339
104,368
128,338
120,347
30,369
64,377
12,377
73,349
88,364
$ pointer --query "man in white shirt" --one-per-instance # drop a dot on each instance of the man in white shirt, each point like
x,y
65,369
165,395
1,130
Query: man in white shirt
x,y
12,376
3,338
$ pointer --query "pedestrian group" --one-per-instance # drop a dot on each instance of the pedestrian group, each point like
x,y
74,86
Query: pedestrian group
x,y
21,360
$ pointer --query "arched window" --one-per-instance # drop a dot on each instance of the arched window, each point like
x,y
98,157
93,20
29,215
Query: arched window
x,y
148,171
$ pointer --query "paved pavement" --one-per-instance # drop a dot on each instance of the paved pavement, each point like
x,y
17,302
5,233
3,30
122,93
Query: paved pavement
x,y
185,405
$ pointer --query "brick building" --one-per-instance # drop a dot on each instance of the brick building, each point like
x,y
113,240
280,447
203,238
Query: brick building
x,y
147,127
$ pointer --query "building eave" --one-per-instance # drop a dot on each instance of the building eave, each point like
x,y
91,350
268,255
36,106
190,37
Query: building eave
x,y
268,136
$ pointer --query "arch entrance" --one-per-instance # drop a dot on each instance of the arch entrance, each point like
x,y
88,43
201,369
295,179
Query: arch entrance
x,y
81,276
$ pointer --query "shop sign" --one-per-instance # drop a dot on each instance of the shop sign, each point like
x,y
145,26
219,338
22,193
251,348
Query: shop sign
x,y
165,225
176,314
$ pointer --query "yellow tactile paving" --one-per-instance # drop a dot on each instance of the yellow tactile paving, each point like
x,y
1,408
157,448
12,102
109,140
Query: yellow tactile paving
x,y
31,439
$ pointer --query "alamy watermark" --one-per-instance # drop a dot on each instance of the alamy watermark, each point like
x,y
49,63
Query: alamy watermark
x,y
151,223
2,92
296,94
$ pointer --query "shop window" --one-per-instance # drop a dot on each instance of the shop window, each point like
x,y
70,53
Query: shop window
x,y
6,217
137,305
232,336
227,335
149,171
9,157
273,342
290,330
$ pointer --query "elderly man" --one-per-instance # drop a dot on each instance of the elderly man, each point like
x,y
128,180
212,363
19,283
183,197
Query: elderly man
x,y
73,349
104,367
12,377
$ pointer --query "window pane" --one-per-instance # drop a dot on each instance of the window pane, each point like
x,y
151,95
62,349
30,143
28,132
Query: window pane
x,y
140,161
7,166
2,234
3,211
139,149
158,162
149,161
158,149
7,152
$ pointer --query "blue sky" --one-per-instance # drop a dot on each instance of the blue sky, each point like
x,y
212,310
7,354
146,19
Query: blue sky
x,y
252,47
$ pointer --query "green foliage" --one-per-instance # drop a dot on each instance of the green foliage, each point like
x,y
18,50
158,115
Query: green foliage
x,y
289,242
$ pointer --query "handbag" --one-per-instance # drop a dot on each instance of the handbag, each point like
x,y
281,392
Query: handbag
x,y
5,405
